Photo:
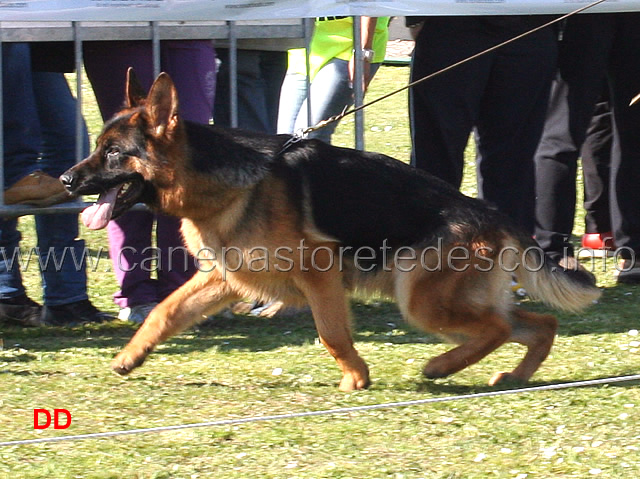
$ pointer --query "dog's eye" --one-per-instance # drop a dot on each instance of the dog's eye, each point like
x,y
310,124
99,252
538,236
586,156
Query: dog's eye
x,y
112,153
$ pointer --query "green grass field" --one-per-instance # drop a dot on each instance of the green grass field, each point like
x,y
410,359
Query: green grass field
x,y
237,367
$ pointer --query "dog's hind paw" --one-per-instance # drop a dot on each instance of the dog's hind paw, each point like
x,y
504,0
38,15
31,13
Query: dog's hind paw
x,y
124,363
505,379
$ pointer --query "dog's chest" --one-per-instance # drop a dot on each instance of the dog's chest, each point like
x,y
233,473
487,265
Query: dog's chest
x,y
197,243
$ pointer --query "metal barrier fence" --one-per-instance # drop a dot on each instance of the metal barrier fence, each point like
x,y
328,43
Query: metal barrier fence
x,y
79,32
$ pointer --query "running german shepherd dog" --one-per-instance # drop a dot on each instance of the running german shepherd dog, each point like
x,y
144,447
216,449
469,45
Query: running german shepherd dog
x,y
306,223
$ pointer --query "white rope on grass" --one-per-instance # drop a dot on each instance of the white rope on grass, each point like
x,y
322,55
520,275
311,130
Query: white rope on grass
x,y
226,422
327,412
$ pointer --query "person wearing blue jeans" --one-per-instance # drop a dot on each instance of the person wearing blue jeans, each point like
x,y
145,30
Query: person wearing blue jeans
x,y
39,134
330,92
331,73
260,74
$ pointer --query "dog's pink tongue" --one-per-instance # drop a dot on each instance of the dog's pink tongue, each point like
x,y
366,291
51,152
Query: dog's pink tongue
x,y
97,216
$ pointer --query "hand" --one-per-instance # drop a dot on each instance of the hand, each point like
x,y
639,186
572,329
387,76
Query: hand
x,y
414,30
366,70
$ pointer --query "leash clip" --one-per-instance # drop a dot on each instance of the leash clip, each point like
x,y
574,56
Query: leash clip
x,y
295,138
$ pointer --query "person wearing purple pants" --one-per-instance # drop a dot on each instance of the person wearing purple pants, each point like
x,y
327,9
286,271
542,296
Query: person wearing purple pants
x,y
191,64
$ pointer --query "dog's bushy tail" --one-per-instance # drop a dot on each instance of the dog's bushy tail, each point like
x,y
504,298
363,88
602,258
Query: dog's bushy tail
x,y
544,280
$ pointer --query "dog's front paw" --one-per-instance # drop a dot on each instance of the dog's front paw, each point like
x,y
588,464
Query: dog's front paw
x,y
436,368
126,362
354,382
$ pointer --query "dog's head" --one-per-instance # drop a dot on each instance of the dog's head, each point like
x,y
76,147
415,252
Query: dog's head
x,y
132,157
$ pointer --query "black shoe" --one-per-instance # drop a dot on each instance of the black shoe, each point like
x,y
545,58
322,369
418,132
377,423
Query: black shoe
x,y
21,310
73,314
573,266
627,272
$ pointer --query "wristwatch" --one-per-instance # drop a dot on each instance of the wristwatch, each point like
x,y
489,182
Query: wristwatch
x,y
367,55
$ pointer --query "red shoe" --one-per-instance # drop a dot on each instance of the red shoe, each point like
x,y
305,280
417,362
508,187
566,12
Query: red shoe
x,y
597,245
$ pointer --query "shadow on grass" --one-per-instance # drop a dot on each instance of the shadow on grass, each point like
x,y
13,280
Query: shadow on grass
x,y
34,374
441,388
375,321
438,388
615,312
18,358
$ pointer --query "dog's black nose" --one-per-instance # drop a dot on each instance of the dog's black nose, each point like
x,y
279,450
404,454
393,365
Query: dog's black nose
x,y
68,181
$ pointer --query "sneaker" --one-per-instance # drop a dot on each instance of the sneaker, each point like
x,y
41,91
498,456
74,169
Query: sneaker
x,y
243,307
73,314
136,314
21,310
266,310
627,272
270,309
277,309
37,189
597,245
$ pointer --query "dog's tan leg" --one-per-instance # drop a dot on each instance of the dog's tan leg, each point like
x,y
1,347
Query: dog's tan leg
x,y
444,305
205,293
537,332
484,333
328,300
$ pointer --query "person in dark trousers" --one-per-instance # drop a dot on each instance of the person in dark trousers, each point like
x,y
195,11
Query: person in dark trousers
x,y
502,94
556,169
596,172
594,49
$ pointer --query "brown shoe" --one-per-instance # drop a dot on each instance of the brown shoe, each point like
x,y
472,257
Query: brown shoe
x,y
36,189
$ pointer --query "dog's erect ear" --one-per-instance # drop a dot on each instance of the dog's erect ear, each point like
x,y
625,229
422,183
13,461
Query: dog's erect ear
x,y
135,94
162,105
